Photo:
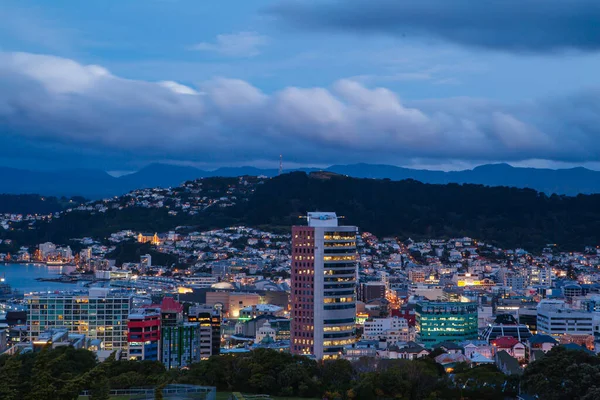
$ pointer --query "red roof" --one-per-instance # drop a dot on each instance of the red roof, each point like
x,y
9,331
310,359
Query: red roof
x,y
170,304
505,342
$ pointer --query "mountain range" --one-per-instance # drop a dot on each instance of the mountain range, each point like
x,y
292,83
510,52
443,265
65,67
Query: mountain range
x,y
98,184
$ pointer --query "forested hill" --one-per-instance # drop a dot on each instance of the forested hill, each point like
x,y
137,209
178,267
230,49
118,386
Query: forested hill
x,y
509,217
34,204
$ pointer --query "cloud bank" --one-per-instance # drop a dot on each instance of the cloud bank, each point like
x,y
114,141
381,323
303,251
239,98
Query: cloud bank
x,y
537,26
65,104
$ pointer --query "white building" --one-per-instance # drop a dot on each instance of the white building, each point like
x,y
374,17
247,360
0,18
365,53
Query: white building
x,y
201,281
540,276
265,331
392,330
430,292
555,319
47,249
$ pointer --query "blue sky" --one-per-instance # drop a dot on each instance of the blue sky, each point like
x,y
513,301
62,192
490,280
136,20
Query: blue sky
x,y
437,84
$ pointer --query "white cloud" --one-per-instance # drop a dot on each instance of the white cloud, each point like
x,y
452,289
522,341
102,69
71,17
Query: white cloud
x,y
242,44
85,106
178,87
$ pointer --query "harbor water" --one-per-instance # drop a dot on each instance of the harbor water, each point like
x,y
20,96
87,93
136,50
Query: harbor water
x,y
22,277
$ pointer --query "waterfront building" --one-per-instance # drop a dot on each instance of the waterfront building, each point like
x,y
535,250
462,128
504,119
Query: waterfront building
x,y
446,321
101,314
323,286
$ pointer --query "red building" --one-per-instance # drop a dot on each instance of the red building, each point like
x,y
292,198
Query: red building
x,y
143,334
407,311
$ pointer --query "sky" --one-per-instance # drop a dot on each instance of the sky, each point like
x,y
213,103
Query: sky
x,y
436,84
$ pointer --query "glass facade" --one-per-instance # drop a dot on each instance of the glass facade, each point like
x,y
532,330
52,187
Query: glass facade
x,y
103,318
446,321
180,345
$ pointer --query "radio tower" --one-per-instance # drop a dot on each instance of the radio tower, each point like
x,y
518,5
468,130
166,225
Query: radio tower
x,y
280,164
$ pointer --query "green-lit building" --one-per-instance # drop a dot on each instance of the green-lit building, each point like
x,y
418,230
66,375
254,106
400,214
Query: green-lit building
x,y
446,321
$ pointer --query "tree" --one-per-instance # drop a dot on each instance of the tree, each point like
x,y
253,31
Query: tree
x,y
562,374
337,375
9,379
158,392
100,389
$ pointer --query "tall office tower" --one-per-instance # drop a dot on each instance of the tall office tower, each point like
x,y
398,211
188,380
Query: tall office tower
x,y
210,329
100,315
323,293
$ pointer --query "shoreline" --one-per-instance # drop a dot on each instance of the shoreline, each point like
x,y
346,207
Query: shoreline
x,y
36,263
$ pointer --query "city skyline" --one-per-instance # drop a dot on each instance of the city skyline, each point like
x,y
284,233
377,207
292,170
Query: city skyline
x,y
92,87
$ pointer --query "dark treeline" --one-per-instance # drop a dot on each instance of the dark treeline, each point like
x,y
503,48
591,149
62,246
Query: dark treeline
x,y
503,216
35,204
64,372
508,217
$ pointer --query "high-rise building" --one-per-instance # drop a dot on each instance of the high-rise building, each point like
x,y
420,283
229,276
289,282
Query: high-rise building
x,y
210,329
446,321
323,286
179,340
100,315
368,291
143,335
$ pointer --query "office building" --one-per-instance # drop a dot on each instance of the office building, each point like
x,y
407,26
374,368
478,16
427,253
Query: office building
x,y
446,321
210,329
179,340
143,337
555,319
101,315
390,330
368,291
323,286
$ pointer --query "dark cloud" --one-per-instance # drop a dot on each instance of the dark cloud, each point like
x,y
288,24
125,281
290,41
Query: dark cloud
x,y
512,25
58,102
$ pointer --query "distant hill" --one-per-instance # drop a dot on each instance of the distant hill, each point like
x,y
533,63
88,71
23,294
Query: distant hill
x,y
34,204
98,184
503,216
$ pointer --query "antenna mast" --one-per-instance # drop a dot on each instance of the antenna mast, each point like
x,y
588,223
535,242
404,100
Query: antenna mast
x,y
280,164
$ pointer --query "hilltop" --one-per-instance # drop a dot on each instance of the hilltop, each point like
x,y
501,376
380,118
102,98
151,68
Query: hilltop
x,y
94,184
507,217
